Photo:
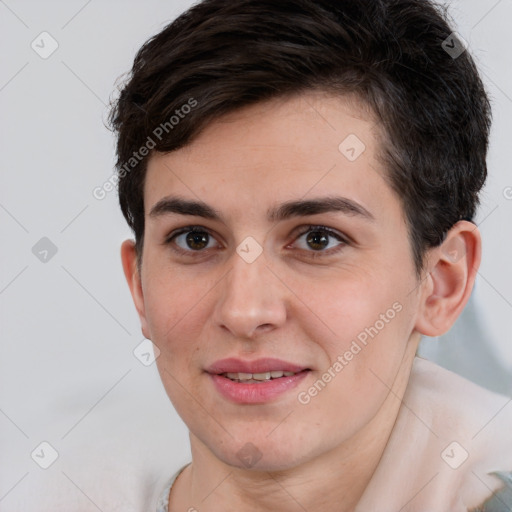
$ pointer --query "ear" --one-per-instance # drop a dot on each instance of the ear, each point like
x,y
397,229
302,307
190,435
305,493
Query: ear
x,y
133,278
447,287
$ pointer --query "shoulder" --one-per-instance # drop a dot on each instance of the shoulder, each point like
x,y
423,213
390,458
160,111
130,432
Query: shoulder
x,y
458,405
476,426
501,500
163,501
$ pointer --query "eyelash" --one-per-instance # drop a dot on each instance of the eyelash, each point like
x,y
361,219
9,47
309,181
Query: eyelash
x,y
311,228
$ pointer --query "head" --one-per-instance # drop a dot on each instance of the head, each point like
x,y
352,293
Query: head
x,y
250,120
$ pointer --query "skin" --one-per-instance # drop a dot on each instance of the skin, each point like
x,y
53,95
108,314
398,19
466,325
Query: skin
x,y
209,303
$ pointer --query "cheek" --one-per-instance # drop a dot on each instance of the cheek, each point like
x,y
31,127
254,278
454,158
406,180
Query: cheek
x,y
173,308
354,308
174,311
365,326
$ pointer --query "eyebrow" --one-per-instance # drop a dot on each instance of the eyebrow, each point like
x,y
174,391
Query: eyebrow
x,y
287,210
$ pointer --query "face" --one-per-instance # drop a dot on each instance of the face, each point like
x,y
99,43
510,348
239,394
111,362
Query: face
x,y
287,243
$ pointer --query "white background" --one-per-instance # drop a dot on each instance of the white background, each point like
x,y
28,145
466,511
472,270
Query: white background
x,y
68,375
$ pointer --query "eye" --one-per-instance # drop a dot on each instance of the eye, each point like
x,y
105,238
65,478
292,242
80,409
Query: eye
x,y
321,241
191,239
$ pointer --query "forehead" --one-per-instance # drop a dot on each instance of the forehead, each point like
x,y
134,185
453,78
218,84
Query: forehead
x,y
312,144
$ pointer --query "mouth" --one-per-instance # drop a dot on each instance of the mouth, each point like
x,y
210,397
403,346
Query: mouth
x,y
259,378
256,382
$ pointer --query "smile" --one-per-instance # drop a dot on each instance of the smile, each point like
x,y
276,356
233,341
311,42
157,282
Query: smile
x,y
257,377
256,388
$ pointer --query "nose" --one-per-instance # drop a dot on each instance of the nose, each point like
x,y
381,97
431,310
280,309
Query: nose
x,y
252,299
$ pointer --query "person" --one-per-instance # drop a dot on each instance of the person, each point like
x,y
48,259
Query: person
x,y
301,178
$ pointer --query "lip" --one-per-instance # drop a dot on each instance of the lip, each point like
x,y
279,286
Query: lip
x,y
256,393
262,365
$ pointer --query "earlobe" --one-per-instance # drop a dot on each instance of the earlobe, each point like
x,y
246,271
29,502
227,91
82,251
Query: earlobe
x,y
133,278
446,290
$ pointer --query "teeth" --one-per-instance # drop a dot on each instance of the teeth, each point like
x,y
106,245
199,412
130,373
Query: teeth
x,y
258,377
261,376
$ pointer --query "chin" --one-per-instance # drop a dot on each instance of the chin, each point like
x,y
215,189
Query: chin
x,y
264,456
264,465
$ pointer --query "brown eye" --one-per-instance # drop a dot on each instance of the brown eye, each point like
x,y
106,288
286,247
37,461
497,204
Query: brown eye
x,y
191,239
197,241
319,240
